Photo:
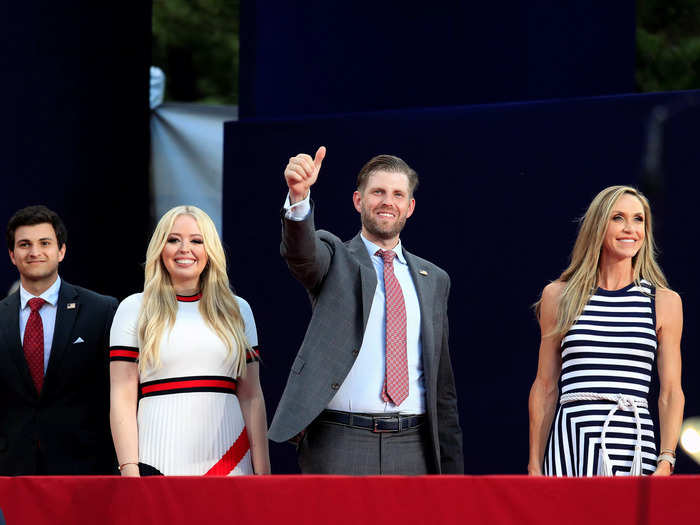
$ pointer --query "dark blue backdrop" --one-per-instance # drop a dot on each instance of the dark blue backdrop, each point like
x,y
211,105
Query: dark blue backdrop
x,y
317,56
501,189
74,132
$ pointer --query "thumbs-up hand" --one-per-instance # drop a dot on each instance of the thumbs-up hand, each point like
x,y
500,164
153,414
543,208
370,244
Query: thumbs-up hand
x,y
301,173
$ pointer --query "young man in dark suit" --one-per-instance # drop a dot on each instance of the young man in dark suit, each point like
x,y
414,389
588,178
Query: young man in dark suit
x,y
371,390
54,383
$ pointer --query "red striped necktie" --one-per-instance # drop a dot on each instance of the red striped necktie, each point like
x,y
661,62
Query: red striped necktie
x,y
33,343
396,381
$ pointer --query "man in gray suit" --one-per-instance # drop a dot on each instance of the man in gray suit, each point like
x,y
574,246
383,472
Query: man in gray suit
x,y
371,390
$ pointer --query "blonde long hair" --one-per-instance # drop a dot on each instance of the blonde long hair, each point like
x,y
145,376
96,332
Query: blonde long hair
x,y
581,277
218,306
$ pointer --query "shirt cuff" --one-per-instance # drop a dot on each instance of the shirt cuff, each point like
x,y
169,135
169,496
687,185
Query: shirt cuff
x,y
299,210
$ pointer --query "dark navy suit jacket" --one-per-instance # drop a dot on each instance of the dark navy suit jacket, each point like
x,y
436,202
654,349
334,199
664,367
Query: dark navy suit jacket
x,y
65,429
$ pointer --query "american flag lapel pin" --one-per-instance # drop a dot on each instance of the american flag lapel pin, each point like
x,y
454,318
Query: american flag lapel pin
x,y
70,306
423,272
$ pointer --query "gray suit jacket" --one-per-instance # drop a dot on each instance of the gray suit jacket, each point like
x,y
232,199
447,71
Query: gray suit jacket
x,y
341,281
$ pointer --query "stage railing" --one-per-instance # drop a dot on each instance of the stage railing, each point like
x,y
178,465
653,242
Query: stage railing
x,y
339,500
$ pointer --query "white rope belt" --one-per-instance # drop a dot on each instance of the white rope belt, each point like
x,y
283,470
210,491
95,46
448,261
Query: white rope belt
x,y
623,402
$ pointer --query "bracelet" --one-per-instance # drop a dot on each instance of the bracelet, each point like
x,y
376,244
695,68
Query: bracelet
x,y
665,450
667,457
121,467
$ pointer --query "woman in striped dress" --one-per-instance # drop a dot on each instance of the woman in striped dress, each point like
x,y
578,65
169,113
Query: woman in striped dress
x,y
185,391
604,322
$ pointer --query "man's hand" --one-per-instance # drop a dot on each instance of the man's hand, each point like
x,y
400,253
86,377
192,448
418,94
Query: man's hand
x,y
301,173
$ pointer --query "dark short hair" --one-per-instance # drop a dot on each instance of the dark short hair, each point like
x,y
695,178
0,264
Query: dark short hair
x,y
387,163
32,215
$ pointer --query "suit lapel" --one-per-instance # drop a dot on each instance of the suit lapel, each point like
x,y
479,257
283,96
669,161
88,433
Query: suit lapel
x,y
65,319
368,276
12,343
425,289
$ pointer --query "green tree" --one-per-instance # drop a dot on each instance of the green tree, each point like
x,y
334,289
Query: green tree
x,y
195,42
668,45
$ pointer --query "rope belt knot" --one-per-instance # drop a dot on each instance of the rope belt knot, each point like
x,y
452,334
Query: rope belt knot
x,y
622,402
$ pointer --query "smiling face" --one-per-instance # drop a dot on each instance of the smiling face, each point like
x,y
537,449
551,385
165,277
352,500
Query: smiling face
x,y
625,232
184,255
36,255
384,205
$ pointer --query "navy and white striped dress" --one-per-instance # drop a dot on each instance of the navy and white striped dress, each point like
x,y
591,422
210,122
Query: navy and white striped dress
x,y
608,352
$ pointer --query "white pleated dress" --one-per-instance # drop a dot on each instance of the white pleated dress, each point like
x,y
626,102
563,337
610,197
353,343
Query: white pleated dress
x,y
189,419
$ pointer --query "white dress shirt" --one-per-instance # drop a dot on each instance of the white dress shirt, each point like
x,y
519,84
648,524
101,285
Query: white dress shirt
x,y
299,210
361,390
47,313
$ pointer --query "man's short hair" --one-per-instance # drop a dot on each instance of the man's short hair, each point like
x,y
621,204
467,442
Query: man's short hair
x,y
32,215
387,163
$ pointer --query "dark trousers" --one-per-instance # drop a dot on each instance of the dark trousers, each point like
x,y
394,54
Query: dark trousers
x,y
330,448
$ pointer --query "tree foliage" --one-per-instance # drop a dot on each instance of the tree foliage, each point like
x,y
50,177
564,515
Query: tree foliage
x,y
195,42
668,45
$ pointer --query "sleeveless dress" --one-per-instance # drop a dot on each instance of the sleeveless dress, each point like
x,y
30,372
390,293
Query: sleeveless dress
x,y
189,419
607,360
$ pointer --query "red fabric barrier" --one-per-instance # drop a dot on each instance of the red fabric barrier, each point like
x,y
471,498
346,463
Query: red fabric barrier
x,y
340,500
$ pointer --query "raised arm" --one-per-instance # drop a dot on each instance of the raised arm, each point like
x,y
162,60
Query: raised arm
x,y
669,315
544,391
306,255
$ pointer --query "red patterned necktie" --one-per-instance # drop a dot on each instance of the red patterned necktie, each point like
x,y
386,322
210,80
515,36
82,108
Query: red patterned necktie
x,y
396,381
33,343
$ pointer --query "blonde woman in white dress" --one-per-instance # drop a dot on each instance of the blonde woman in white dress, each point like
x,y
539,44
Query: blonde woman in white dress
x,y
185,389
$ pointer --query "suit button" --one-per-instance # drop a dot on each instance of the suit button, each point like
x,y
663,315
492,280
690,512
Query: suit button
x,y
335,386
355,353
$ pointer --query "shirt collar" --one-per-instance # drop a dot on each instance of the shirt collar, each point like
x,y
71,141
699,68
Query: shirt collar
x,y
50,295
372,249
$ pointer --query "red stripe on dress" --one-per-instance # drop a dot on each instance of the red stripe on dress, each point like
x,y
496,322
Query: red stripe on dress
x,y
253,354
232,457
124,353
191,383
189,298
